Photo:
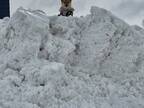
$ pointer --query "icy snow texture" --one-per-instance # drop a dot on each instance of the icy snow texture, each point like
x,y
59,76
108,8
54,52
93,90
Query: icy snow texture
x,y
143,23
96,61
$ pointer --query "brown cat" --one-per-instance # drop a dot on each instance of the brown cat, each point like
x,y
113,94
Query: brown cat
x,y
66,3
66,8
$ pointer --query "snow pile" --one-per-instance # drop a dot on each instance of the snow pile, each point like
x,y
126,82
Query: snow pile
x,y
95,61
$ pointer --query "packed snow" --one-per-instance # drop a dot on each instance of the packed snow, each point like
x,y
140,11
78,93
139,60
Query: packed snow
x,y
96,61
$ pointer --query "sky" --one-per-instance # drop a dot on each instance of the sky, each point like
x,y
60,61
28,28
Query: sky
x,y
131,11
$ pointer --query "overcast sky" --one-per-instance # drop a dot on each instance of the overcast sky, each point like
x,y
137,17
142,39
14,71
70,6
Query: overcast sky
x,y
132,11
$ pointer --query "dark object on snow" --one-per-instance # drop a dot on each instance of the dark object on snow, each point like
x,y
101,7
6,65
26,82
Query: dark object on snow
x,y
4,9
66,11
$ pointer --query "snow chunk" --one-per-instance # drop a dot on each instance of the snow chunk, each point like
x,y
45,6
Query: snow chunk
x,y
86,62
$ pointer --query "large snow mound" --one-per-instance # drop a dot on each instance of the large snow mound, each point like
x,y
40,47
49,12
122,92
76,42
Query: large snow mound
x,y
96,61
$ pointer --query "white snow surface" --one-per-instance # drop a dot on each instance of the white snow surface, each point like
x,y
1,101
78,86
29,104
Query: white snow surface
x,y
96,61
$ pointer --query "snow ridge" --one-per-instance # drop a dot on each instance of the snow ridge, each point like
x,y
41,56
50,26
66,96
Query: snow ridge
x,y
94,61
